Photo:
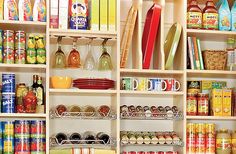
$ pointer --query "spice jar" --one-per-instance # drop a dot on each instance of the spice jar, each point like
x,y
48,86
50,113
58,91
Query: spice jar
x,y
139,138
191,104
132,138
124,138
203,104
75,138
103,138
61,138
223,142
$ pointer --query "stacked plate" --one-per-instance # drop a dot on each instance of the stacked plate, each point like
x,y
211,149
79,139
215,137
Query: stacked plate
x,y
95,83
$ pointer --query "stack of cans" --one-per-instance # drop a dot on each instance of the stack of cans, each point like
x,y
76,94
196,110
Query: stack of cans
x,y
8,137
8,93
1,47
20,54
22,137
8,46
38,137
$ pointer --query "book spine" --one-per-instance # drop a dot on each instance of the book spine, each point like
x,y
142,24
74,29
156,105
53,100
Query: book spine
x,y
196,52
200,54
193,53
190,53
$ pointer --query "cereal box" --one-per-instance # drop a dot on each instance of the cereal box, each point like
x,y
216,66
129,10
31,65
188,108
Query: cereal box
x,y
206,86
63,14
94,14
78,12
226,109
54,14
112,15
1,9
216,102
218,84
103,15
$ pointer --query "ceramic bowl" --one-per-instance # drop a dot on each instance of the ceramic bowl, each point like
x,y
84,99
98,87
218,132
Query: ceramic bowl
x,y
59,82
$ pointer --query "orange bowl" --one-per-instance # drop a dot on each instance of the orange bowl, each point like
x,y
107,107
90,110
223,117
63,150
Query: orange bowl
x,y
59,82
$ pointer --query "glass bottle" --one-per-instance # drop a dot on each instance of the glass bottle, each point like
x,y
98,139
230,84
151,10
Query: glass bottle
x,y
74,56
30,102
89,137
89,63
60,58
230,52
34,85
210,16
40,92
194,15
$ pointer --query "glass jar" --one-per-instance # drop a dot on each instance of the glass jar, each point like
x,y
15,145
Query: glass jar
x,y
75,138
223,142
124,138
203,104
132,138
194,15
89,137
60,109
191,104
89,111
21,92
61,138
30,102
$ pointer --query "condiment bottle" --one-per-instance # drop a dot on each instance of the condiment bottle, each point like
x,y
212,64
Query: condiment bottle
x,y
203,104
194,15
210,16
40,96
191,104
223,142
20,93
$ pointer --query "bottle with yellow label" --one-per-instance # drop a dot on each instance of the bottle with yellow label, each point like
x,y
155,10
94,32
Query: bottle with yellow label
x,y
210,16
194,15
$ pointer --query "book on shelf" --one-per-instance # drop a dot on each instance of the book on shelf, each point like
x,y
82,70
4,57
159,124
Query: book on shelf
x,y
195,53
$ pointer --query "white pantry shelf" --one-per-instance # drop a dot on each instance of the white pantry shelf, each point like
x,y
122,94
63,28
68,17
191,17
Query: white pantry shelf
x,y
212,73
36,66
22,115
151,71
82,91
163,93
210,118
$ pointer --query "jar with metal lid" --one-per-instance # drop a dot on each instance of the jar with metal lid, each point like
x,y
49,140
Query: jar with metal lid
x,y
191,104
124,138
21,92
223,142
132,138
154,139
203,104
146,138
139,138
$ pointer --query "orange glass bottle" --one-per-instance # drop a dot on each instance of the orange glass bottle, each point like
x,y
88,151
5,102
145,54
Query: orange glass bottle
x,y
194,15
210,16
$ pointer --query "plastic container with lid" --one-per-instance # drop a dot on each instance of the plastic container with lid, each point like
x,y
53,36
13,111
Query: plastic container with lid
x,y
194,15
223,142
210,16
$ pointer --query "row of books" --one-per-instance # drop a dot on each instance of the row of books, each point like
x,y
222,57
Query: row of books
x,y
195,54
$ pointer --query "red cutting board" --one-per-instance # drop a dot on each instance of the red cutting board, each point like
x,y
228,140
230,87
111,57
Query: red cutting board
x,y
149,34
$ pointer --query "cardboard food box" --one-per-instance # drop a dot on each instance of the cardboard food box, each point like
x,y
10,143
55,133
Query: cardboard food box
x,y
94,14
227,106
63,14
54,14
216,102
103,15
219,84
112,15
206,86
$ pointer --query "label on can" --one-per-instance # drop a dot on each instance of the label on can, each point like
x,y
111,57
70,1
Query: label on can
x,y
8,129
22,127
22,145
200,145
210,145
8,56
41,56
222,144
38,144
8,146
8,103
38,127
191,144
20,56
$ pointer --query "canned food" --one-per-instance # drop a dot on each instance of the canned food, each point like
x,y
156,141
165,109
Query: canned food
x,y
1,54
8,129
200,129
203,104
191,128
191,104
194,86
31,56
210,145
41,56
8,83
38,129
20,40
8,102
38,145
8,56
8,145
210,129
1,138
191,143
8,39
150,152
22,145
20,56
22,127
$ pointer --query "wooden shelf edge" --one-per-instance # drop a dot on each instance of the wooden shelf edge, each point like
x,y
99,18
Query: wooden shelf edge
x,y
82,91
211,72
22,115
35,23
151,71
214,32
151,92
210,118
39,66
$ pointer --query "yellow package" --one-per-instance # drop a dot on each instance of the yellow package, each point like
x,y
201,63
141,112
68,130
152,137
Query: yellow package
x,y
112,15
216,102
103,15
226,108
94,15
206,86
1,9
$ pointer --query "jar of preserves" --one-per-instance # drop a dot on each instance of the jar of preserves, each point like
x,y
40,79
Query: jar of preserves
x,y
60,110
223,142
30,102
146,138
89,111
104,110
194,15
191,104
203,104
21,92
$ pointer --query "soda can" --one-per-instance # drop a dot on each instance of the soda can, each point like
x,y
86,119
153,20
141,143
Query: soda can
x,y
8,102
8,56
38,145
20,40
8,137
8,83
38,129
20,56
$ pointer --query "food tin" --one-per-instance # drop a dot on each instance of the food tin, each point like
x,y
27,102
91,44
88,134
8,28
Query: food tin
x,y
1,138
8,103
20,40
22,127
8,83
8,137
38,129
8,56
20,56
191,104
8,145
194,87
8,39
22,145
38,145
